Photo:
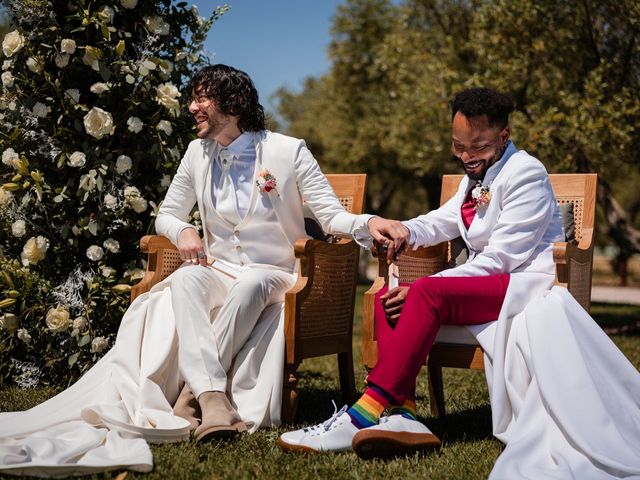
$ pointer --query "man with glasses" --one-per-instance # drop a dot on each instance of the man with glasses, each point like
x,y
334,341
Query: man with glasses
x,y
249,185
506,212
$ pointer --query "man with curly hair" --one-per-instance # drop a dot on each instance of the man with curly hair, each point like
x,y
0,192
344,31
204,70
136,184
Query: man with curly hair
x,y
506,212
249,185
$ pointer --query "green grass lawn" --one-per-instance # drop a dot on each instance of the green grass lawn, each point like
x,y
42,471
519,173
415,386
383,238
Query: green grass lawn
x,y
469,450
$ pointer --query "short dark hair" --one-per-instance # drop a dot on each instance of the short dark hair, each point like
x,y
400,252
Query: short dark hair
x,y
476,102
234,94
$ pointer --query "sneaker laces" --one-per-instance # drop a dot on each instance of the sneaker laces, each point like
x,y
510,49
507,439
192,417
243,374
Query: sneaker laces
x,y
327,424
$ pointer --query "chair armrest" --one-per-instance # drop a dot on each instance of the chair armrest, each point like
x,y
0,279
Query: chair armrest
x,y
321,303
157,249
369,345
574,268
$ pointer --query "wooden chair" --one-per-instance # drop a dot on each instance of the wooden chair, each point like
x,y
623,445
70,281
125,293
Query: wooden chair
x,y
454,345
319,307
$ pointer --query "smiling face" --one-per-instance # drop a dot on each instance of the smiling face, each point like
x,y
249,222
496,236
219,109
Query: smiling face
x,y
211,123
477,144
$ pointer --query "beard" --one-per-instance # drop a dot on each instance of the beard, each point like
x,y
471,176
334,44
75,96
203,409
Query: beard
x,y
477,174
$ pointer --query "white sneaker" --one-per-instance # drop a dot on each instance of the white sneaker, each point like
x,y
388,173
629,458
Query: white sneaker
x,y
333,435
394,435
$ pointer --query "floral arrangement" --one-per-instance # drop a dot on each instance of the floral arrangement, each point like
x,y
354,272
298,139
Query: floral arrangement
x,y
266,182
481,195
91,132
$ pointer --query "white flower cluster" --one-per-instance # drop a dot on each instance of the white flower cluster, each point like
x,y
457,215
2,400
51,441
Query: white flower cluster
x,y
133,199
34,250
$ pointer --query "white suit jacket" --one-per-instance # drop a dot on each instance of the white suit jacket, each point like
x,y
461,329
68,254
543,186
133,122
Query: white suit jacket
x,y
513,234
298,177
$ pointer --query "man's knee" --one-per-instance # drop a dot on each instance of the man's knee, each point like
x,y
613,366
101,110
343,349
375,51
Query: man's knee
x,y
188,278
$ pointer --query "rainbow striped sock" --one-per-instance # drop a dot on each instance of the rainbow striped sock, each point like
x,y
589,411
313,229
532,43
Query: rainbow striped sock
x,y
407,409
367,410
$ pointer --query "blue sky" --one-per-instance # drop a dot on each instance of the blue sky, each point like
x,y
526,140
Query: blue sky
x,y
277,42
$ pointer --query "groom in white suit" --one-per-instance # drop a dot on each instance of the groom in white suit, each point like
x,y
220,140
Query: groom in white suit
x,y
249,185
506,212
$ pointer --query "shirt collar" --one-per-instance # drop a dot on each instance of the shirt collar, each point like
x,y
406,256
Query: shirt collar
x,y
239,145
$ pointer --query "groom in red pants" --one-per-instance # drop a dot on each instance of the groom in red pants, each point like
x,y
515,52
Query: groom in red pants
x,y
507,214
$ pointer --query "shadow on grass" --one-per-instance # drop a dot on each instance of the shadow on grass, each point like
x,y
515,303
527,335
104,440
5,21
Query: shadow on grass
x,y
617,319
463,426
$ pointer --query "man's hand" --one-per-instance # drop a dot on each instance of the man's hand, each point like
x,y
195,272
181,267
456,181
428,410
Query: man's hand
x,y
392,303
392,234
191,248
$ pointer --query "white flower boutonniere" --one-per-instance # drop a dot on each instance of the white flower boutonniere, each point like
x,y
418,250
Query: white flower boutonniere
x,y
267,182
481,195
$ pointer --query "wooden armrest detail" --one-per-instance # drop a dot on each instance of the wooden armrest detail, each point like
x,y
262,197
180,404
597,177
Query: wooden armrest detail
x,y
151,243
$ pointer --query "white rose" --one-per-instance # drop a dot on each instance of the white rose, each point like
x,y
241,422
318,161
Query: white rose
x,y
107,14
61,60
98,123
7,79
165,181
23,335
110,201
134,124
9,322
165,126
131,192
18,228
10,158
107,271
41,110
5,197
57,319
12,43
167,95
156,25
111,245
34,65
73,94
77,160
98,344
88,181
80,323
100,87
95,253
68,45
139,204
130,4
123,164
34,250
6,65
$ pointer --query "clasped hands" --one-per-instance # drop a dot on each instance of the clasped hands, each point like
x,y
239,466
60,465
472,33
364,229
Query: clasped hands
x,y
394,237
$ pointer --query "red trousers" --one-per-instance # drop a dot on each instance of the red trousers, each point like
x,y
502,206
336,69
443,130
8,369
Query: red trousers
x,y
430,302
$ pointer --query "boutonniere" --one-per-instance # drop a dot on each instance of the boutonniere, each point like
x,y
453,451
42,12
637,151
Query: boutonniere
x,y
267,182
481,195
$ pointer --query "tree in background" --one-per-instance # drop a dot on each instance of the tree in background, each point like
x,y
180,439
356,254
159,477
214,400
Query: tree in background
x,y
92,131
572,67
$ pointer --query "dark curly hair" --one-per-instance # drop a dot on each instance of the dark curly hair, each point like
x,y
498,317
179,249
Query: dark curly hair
x,y
234,94
475,102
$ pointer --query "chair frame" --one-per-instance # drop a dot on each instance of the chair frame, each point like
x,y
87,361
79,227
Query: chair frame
x,y
315,257
574,266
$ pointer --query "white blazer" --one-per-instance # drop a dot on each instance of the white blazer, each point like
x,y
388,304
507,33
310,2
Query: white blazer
x,y
513,234
298,178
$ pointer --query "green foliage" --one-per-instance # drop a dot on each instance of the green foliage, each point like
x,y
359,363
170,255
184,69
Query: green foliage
x,y
92,131
573,69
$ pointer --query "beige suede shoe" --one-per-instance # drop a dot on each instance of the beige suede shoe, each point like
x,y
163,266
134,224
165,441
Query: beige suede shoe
x,y
187,407
219,418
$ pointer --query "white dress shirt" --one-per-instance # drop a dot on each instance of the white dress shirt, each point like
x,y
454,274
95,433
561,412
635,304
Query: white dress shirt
x,y
241,171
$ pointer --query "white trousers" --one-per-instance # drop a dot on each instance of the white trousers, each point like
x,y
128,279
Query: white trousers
x,y
215,315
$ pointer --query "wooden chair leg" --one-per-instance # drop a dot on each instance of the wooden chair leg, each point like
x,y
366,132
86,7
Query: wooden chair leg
x,y
436,390
289,393
347,378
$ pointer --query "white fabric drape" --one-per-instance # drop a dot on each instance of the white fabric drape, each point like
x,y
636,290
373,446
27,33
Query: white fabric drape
x,y
105,420
564,399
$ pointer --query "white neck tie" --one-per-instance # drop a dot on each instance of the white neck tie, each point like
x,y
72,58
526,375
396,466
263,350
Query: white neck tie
x,y
226,199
